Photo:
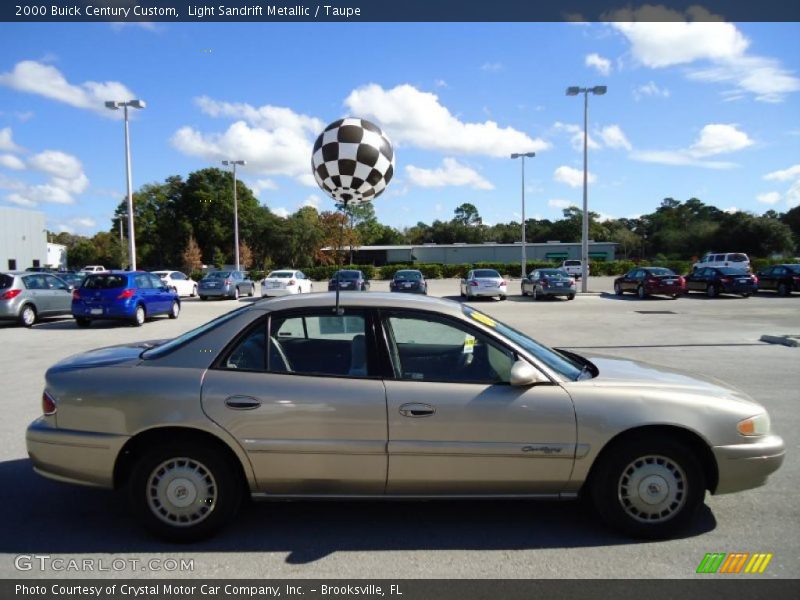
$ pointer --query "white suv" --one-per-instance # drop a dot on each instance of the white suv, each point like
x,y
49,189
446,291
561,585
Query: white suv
x,y
735,260
573,267
93,269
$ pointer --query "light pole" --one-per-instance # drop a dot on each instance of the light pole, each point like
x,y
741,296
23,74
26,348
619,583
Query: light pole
x,y
233,163
116,105
524,256
598,90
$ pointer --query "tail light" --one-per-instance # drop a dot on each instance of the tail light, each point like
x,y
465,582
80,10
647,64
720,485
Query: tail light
x,y
11,294
652,281
682,281
571,282
227,282
545,283
126,294
725,279
473,283
291,282
48,404
755,278
76,294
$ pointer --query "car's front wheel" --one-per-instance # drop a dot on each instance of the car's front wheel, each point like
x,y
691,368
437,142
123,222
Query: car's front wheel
x,y
783,290
618,289
571,297
194,291
175,311
184,492
502,297
82,322
648,487
711,291
641,292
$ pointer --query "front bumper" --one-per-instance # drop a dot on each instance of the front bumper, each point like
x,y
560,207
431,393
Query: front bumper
x,y
746,466
80,457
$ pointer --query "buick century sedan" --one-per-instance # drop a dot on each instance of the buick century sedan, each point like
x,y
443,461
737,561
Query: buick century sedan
x,y
390,397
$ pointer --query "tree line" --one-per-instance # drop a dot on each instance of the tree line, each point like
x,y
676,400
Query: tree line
x,y
184,224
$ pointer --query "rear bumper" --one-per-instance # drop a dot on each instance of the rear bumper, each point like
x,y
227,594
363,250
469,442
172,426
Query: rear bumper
x,y
223,292
746,466
482,292
80,457
668,290
9,309
735,288
417,290
117,310
274,292
570,291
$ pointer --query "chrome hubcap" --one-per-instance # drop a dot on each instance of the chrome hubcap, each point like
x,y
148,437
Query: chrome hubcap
x,y
181,492
28,316
176,309
652,489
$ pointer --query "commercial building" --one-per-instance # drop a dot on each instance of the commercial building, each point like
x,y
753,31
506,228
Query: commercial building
x,y
453,254
23,239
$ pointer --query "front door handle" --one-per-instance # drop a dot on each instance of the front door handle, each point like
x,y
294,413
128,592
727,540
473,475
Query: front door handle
x,y
417,410
242,402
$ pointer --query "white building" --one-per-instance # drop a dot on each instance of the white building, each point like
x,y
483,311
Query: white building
x,y
56,256
23,239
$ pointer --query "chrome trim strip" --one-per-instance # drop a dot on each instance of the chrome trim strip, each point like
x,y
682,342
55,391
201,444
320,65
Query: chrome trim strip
x,y
315,446
485,449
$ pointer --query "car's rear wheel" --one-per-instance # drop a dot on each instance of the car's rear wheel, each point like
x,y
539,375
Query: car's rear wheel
x,y
175,311
203,298
81,322
618,289
27,316
675,296
535,294
648,487
783,289
252,291
571,297
139,316
711,291
184,492
502,297
746,295
194,291
641,293
236,293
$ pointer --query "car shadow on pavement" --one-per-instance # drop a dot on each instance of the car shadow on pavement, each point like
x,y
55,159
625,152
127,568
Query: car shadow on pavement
x,y
43,516
634,298
99,324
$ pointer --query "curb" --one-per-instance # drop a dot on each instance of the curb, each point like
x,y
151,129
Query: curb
x,y
792,341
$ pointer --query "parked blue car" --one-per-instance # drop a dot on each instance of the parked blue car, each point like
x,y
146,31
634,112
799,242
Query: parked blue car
x,y
128,295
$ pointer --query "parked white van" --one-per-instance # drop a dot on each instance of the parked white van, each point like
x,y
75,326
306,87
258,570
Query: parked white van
x,y
735,260
573,267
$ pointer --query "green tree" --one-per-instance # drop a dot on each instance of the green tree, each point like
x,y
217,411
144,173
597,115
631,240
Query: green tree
x,y
467,215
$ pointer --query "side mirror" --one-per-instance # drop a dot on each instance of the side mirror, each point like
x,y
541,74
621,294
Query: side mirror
x,y
525,374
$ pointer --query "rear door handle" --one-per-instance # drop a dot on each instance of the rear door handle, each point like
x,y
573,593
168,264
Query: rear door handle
x,y
242,402
417,410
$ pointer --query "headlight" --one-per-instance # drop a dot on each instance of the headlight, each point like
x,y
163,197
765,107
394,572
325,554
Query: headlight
x,y
758,425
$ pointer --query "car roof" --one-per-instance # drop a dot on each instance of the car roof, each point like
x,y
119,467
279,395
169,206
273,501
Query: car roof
x,y
360,299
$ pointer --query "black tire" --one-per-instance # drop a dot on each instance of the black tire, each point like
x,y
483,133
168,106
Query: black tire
x,y
81,322
618,289
175,310
502,297
203,298
28,316
139,316
252,291
675,296
711,290
571,297
783,290
675,473
746,295
535,295
209,474
641,293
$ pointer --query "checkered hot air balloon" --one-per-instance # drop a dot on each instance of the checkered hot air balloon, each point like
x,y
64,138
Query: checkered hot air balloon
x,y
353,161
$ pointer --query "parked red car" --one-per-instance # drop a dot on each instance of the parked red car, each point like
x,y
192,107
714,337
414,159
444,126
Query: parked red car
x,y
646,281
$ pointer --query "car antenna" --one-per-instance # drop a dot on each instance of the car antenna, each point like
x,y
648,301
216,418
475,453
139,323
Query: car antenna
x,y
338,310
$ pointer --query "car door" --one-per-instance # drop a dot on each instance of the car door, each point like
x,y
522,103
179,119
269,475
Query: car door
x,y
456,426
301,393
38,292
163,294
60,295
772,279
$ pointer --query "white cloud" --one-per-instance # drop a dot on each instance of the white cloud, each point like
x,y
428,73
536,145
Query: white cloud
x,y
6,143
65,228
83,222
714,139
261,185
265,117
313,201
450,173
792,172
649,89
703,37
66,179
45,80
20,200
603,65
492,66
576,132
613,137
571,177
281,212
417,118
731,209
9,161
793,195
560,203
769,198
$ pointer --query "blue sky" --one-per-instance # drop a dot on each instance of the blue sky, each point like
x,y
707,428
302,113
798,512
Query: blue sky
x,y
693,109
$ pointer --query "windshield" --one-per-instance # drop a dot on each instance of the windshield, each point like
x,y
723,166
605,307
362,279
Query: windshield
x,y
572,263
105,282
560,364
179,341
491,273
408,275
280,275
794,268
218,275
348,275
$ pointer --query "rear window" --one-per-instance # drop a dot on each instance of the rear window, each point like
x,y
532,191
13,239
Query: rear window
x,y
487,273
105,282
660,271
218,275
554,273
737,257
281,274
408,275
348,274
6,281
792,268
572,263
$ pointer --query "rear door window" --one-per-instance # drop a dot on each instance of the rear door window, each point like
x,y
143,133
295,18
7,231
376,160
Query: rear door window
x,y
6,281
142,281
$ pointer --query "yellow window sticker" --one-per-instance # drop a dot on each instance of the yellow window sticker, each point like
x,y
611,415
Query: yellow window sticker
x,y
481,318
469,344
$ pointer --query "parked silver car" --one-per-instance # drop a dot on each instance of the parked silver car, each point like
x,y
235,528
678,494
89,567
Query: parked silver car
x,y
225,284
394,396
26,297
483,283
541,283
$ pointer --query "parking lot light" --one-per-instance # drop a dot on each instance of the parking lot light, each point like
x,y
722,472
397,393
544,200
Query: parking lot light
x,y
524,256
233,163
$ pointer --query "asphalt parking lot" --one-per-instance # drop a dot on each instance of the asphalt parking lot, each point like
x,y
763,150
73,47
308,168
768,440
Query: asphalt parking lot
x,y
514,539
